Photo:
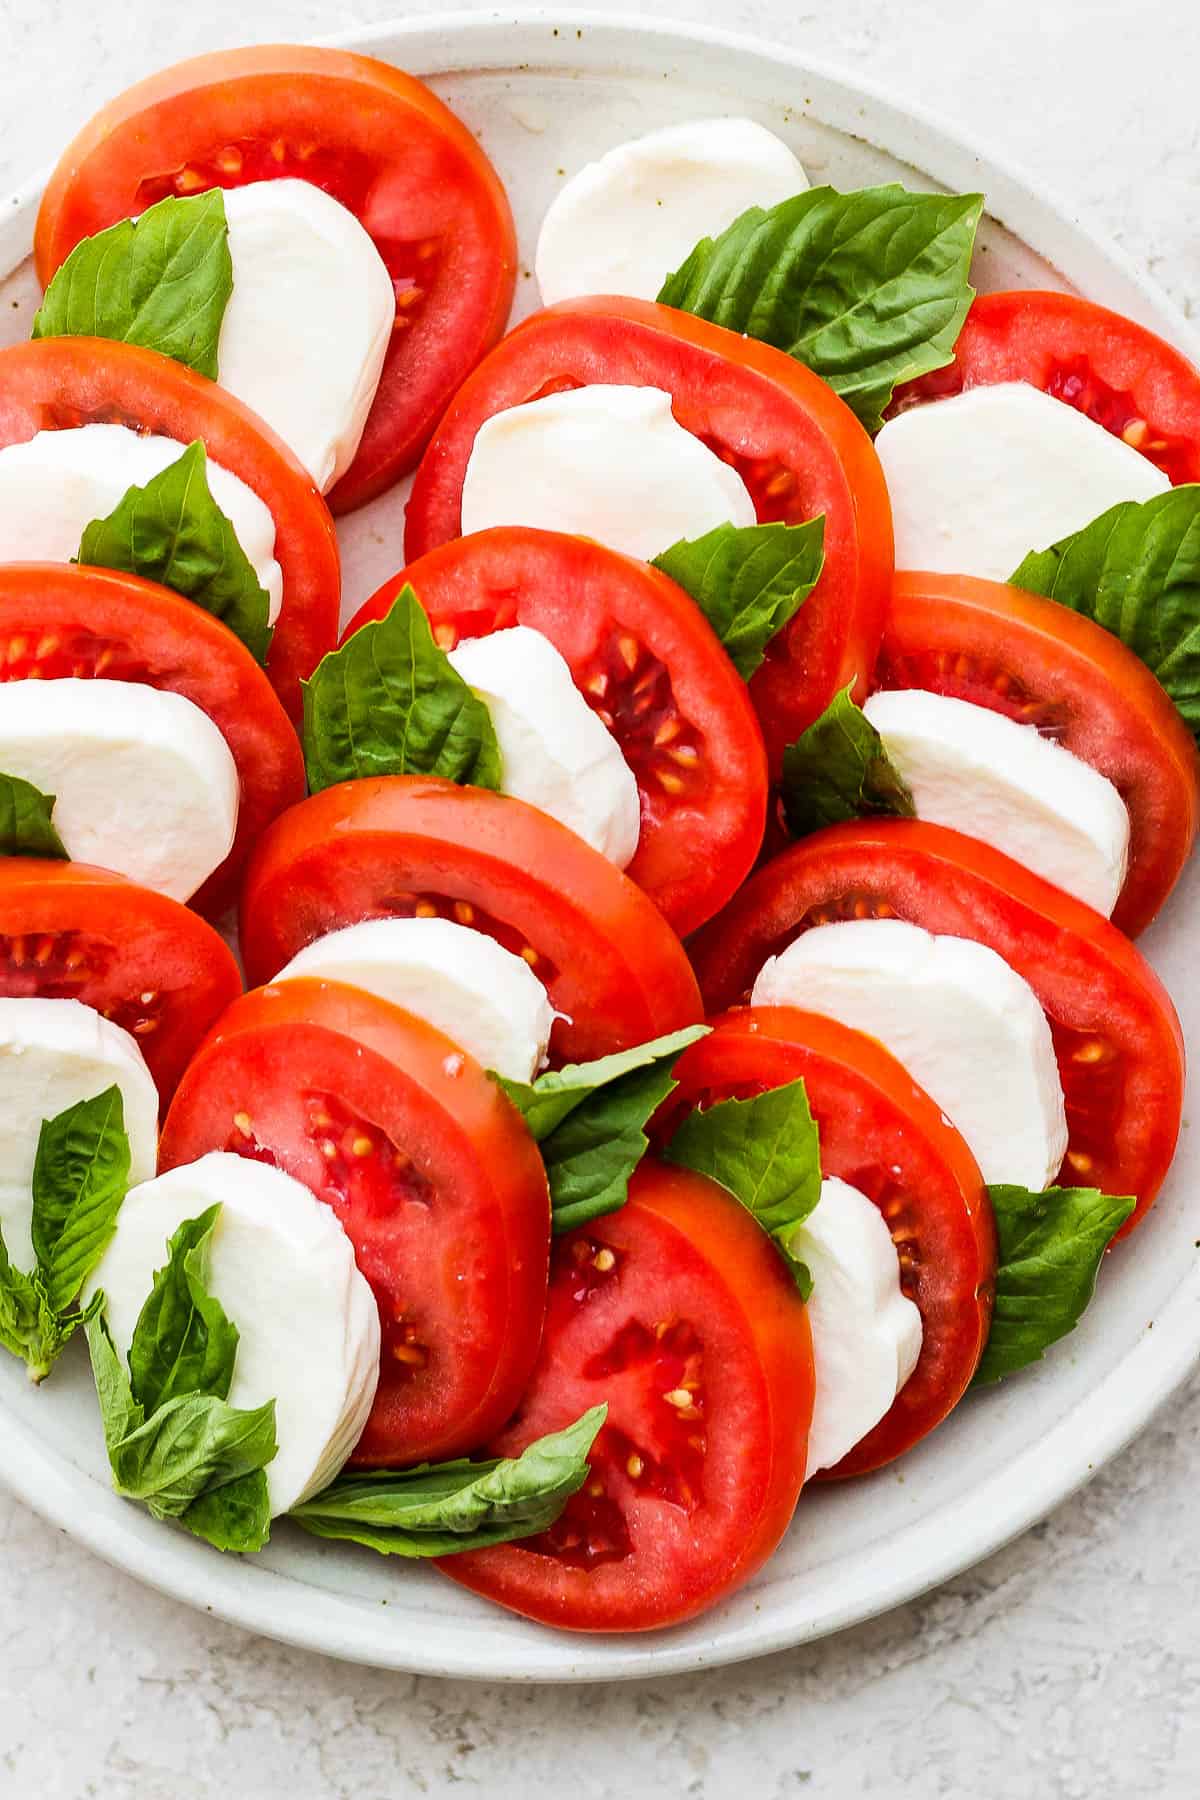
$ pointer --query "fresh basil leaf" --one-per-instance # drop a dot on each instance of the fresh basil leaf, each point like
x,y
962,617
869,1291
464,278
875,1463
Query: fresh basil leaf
x,y
29,1327
390,702
80,1178
766,1153
1051,1244
162,280
1136,571
172,531
868,289
749,581
190,1445
234,1517
120,1413
546,1102
449,1507
839,769
183,1342
26,824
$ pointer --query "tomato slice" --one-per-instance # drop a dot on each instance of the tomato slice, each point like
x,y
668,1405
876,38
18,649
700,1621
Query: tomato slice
x,y
883,1134
432,1173
1124,377
396,845
377,140
152,966
1041,663
57,620
1117,1038
679,1312
648,664
799,450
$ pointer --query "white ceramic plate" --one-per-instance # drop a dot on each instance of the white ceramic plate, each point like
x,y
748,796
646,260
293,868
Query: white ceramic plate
x,y
544,96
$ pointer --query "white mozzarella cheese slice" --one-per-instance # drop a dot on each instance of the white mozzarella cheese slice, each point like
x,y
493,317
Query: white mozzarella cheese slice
x,y
483,997
627,221
53,1054
144,782
979,480
968,1028
59,481
557,755
284,1271
866,1333
309,321
610,463
998,780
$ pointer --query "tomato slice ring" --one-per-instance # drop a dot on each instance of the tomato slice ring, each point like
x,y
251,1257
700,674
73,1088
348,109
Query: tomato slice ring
x,y
1041,663
58,621
1117,1038
678,1311
646,661
797,447
377,140
883,1134
152,966
432,1173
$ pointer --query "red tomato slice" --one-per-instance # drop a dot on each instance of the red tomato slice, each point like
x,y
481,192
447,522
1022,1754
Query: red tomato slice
x,y
432,1173
1119,1046
378,141
883,1134
1121,375
70,932
397,845
799,450
58,621
57,383
1045,665
679,1312
647,663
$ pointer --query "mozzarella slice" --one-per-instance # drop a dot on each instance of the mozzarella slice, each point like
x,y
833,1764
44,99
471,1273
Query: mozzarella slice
x,y
968,1028
866,1333
144,782
610,463
483,997
624,223
981,479
309,321
53,1054
995,779
284,1271
556,753
59,481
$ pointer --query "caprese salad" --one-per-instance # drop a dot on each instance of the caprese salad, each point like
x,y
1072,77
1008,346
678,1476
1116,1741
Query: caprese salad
x,y
692,1035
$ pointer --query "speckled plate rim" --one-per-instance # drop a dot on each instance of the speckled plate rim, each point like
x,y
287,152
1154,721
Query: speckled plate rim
x,y
942,1543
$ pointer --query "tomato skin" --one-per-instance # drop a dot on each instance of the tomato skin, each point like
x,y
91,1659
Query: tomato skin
x,y
367,849
884,1135
385,147
1119,1046
798,447
699,842
685,1252
57,382
71,932
465,1223
967,638
97,622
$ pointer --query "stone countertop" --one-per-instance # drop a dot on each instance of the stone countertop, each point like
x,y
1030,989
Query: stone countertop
x,y
1067,1667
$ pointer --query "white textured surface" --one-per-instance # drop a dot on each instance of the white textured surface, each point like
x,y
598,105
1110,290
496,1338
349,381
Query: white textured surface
x,y
1065,1668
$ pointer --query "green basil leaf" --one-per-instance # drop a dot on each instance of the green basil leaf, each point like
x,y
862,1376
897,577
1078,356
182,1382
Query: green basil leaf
x,y
839,769
80,1179
120,1413
868,289
546,1102
183,1342
189,1445
172,531
441,1509
390,702
162,280
234,1517
26,824
29,1326
1136,571
749,581
1051,1244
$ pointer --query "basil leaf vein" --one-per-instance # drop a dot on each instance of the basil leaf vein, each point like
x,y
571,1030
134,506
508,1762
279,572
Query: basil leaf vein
x,y
839,769
749,581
